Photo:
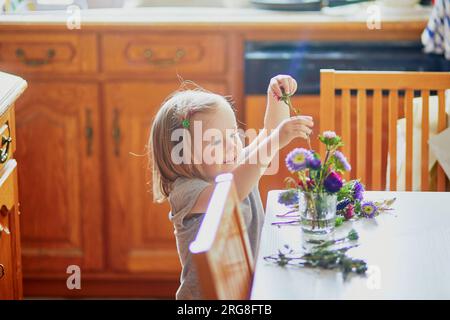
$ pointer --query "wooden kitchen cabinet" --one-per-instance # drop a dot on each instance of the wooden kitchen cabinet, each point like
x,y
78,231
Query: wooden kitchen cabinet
x,y
140,235
59,170
11,87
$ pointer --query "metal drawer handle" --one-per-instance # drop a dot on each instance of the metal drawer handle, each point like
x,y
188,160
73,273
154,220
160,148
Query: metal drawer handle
x,y
5,143
20,54
4,211
148,53
89,131
2,271
116,134
4,229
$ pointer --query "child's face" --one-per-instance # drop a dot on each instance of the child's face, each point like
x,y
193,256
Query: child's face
x,y
221,141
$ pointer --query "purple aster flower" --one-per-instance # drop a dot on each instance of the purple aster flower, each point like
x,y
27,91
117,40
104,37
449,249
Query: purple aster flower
x,y
342,161
343,204
333,182
313,163
288,197
369,209
297,159
358,190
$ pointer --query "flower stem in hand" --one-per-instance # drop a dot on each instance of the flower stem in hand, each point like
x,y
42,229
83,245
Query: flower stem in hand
x,y
286,98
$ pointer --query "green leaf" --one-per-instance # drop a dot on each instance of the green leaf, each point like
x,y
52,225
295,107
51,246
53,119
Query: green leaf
x,y
322,139
346,191
339,221
357,207
353,235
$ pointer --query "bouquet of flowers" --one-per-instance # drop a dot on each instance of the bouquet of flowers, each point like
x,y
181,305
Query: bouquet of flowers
x,y
324,201
328,199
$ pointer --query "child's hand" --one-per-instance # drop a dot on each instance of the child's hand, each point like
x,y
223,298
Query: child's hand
x,y
294,127
281,84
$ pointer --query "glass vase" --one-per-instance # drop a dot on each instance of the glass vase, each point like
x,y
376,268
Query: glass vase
x,y
317,212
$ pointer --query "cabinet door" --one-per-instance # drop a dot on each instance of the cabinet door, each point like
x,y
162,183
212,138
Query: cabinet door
x,y
10,266
59,177
141,236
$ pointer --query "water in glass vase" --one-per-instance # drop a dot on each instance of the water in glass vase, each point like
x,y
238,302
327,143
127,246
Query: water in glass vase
x,y
317,212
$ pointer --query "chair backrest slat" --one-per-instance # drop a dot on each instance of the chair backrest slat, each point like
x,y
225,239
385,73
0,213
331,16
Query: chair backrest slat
x,y
377,154
424,185
408,105
346,132
366,141
393,117
221,249
361,134
327,115
442,124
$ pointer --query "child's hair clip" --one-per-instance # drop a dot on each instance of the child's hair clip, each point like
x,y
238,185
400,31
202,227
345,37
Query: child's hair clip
x,y
186,123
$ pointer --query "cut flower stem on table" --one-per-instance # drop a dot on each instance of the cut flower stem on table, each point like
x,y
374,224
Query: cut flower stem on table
x,y
322,257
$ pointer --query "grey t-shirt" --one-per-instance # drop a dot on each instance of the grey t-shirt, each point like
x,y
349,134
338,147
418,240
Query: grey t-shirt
x,y
184,194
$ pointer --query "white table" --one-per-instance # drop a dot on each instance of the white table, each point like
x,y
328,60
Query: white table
x,y
407,250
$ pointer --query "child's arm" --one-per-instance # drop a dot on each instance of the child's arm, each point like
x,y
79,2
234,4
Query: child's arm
x,y
247,174
276,109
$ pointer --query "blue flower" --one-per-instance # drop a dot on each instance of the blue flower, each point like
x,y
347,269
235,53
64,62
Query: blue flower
x,y
297,159
333,182
343,204
313,163
288,197
342,161
358,190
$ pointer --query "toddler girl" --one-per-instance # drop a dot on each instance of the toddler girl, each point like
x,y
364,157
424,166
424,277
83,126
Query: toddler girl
x,y
194,138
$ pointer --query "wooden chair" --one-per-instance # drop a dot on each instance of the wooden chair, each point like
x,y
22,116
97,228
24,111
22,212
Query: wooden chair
x,y
221,249
381,97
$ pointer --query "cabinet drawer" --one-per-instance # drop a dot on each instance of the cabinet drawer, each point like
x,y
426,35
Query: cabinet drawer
x,y
47,52
164,53
7,137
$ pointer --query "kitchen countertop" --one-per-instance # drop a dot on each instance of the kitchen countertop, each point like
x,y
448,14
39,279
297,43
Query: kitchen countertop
x,y
214,16
11,87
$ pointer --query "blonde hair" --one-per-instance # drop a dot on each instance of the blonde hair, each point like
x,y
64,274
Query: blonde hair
x,y
180,105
